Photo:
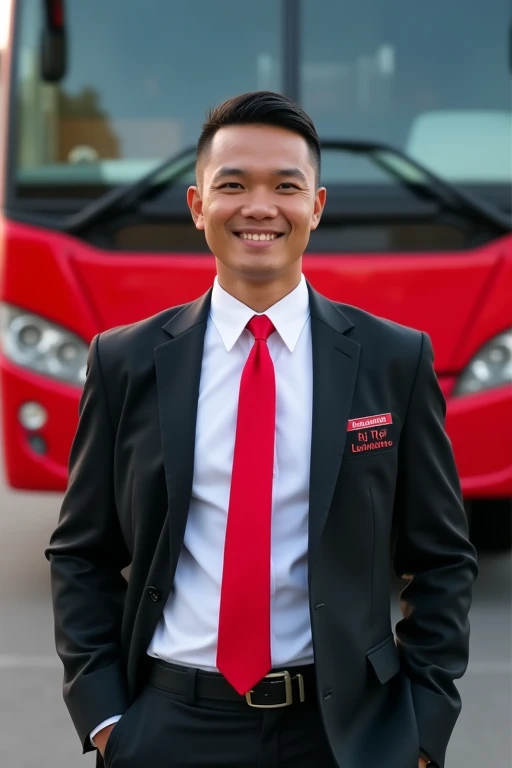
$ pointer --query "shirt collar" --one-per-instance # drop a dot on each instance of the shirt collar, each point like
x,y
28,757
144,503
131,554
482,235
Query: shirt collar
x,y
289,315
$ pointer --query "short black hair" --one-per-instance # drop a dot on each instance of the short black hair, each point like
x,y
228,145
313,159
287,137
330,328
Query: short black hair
x,y
263,108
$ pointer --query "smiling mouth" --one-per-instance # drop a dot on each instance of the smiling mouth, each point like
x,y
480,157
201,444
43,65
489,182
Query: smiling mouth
x,y
261,237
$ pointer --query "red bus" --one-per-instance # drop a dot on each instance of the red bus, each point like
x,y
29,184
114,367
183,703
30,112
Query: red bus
x,y
102,104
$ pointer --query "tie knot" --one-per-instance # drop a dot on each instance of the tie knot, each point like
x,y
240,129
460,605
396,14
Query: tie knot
x,y
261,327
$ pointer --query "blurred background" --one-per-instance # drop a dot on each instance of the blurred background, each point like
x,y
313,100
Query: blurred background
x,y
101,105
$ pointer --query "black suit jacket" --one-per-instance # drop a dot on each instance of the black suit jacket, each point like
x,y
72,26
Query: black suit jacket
x,y
127,501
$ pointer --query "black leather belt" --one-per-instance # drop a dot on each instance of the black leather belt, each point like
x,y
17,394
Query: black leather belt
x,y
281,688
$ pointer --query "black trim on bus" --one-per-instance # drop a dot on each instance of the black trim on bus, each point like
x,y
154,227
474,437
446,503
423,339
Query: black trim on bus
x,y
356,219
291,26
168,173
13,111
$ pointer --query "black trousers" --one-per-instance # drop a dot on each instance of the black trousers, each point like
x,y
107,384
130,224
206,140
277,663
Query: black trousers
x,y
170,730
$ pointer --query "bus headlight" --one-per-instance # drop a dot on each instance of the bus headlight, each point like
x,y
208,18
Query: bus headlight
x,y
491,367
34,343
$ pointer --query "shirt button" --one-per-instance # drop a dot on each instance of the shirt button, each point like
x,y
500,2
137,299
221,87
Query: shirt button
x,y
154,594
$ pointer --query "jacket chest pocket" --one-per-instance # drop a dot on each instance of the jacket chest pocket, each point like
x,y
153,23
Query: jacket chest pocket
x,y
370,436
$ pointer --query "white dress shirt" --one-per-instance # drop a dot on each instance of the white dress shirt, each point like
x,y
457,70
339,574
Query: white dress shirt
x,y
187,631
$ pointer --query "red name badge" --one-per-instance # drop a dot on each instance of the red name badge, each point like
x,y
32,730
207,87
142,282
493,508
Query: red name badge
x,y
369,421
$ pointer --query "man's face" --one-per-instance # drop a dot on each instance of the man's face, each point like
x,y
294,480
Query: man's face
x,y
257,201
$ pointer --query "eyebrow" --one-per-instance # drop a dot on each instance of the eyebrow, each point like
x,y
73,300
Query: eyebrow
x,y
295,173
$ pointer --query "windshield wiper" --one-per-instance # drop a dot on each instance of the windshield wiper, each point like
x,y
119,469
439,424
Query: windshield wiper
x,y
423,183
125,197
409,174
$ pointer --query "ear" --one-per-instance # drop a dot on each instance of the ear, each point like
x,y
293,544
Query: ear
x,y
320,199
195,204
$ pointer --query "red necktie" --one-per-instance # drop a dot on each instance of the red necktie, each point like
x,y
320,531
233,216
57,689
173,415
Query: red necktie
x,y
243,649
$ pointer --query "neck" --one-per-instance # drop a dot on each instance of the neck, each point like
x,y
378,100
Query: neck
x,y
258,295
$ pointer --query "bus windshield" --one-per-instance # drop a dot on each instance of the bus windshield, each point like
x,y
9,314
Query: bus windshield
x,y
431,79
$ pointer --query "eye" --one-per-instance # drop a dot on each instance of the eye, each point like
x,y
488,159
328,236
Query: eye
x,y
288,185
230,185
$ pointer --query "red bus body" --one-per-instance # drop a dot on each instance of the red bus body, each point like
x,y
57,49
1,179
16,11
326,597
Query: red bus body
x,y
88,290
461,298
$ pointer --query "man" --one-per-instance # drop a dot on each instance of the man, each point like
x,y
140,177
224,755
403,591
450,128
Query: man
x,y
255,456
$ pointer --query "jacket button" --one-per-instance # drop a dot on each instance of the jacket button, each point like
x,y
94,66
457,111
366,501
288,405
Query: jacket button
x,y
154,594
319,605
327,694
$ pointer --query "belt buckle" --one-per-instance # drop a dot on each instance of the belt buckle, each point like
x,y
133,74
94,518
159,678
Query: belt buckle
x,y
287,679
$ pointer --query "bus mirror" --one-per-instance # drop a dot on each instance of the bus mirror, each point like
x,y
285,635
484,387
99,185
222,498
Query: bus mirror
x,y
53,42
53,56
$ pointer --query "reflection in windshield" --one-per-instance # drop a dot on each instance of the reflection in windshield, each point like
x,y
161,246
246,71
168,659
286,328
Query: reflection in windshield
x,y
431,82
85,130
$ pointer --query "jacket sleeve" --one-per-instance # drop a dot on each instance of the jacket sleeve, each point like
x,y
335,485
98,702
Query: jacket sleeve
x,y
433,553
87,553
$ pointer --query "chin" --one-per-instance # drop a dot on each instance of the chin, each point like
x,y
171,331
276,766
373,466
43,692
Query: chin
x,y
263,266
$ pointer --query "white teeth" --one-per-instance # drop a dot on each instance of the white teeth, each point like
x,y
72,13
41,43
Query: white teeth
x,y
255,236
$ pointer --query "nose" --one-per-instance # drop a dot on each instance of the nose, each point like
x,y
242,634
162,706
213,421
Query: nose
x,y
258,205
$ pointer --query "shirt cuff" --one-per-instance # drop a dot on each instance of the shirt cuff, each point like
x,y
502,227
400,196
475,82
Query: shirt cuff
x,y
104,724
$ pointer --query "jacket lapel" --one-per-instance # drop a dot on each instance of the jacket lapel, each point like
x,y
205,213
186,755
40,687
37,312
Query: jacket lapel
x,y
178,372
335,364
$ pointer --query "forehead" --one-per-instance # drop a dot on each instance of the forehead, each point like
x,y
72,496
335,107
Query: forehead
x,y
258,147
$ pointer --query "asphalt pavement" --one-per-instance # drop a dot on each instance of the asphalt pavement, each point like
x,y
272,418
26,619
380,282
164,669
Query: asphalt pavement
x,y
35,728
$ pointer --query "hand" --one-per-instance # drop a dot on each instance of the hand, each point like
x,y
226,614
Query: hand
x,y
102,736
422,763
